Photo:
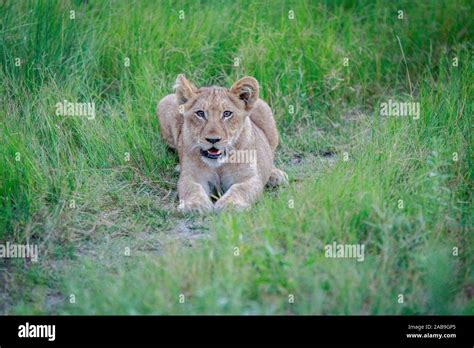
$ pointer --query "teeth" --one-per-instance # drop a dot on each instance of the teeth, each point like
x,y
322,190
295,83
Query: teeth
x,y
212,152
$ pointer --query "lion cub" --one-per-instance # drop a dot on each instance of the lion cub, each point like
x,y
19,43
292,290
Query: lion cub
x,y
225,140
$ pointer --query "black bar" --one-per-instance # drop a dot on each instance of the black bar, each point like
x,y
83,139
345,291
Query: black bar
x,y
222,330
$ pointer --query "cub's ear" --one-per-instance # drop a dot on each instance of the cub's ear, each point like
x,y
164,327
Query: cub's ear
x,y
246,89
185,90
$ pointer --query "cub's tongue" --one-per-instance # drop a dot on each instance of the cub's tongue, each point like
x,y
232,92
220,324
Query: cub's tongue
x,y
214,151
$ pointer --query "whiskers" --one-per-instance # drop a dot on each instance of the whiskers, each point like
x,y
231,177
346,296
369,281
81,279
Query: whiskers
x,y
229,148
199,145
202,145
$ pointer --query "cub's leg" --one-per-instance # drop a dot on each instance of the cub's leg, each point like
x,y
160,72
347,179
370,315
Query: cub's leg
x,y
192,195
170,120
240,196
277,178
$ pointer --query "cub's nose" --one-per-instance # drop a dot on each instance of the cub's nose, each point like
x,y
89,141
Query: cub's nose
x,y
213,140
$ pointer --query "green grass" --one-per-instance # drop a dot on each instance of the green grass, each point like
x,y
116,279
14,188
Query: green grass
x,y
130,205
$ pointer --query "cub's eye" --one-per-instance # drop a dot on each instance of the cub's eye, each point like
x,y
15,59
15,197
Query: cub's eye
x,y
226,114
200,114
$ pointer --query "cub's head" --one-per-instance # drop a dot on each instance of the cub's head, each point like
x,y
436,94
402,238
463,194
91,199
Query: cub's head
x,y
214,116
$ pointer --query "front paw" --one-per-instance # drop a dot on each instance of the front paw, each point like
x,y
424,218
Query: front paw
x,y
277,178
231,202
199,206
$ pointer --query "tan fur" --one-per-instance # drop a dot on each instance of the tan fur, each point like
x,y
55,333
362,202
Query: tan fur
x,y
249,130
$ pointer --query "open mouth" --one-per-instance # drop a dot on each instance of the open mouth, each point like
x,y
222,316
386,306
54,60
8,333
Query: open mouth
x,y
212,153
